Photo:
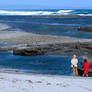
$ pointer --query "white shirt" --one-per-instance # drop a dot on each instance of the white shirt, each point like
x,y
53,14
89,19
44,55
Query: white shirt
x,y
74,62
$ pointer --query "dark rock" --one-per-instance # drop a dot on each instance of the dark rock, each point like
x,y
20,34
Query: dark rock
x,y
85,28
27,52
55,49
78,48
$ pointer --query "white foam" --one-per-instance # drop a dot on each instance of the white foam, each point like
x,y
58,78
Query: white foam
x,y
84,14
6,12
64,11
47,13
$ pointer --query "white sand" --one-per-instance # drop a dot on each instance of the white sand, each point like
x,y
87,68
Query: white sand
x,y
43,83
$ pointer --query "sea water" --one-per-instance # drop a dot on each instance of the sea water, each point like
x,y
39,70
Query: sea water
x,y
59,26
44,64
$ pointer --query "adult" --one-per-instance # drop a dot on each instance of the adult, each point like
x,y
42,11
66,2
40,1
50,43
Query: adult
x,y
74,62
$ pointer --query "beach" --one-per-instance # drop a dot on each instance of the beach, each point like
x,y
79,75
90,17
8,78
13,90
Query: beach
x,y
12,81
35,52
43,83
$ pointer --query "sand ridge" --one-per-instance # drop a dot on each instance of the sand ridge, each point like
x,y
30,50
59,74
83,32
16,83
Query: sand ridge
x,y
21,37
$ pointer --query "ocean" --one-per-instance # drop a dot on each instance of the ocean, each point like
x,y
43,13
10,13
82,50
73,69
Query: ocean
x,y
35,21
32,21
38,12
41,21
43,64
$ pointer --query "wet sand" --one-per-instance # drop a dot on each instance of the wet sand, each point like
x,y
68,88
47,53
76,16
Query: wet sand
x,y
20,37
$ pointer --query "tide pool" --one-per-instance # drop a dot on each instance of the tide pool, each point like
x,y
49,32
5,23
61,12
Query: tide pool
x,y
46,64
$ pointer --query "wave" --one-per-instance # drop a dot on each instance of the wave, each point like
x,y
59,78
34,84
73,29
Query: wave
x,y
47,12
64,11
84,14
6,12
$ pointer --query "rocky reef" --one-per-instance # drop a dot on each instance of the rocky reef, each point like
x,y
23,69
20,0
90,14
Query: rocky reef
x,y
78,48
85,28
58,49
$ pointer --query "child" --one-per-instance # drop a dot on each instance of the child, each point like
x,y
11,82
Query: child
x,y
86,68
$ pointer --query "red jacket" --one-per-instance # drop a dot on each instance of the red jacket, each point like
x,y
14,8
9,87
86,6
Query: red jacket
x,y
86,65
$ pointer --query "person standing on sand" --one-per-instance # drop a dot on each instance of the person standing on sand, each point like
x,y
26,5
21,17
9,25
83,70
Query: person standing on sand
x,y
74,62
86,68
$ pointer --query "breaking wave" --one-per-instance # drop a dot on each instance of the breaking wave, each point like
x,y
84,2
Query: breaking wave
x,y
85,14
46,12
62,12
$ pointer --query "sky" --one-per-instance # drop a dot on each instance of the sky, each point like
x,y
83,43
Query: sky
x,y
36,4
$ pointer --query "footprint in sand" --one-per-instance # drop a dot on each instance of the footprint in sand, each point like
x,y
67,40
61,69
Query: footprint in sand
x,y
48,83
38,82
29,81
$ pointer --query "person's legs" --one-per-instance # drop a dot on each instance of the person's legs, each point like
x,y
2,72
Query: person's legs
x,y
76,71
85,73
73,71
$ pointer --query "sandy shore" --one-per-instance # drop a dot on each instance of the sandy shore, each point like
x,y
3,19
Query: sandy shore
x,y
20,37
43,83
